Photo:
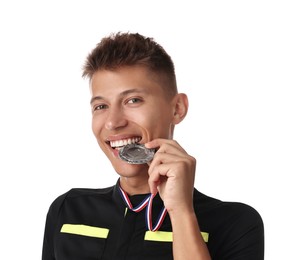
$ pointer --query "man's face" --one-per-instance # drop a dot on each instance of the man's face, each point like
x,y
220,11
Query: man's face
x,y
129,105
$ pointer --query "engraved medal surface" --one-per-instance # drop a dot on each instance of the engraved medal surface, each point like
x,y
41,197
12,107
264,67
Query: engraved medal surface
x,y
136,154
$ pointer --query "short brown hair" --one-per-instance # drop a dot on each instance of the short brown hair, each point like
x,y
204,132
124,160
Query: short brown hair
x,y
129,49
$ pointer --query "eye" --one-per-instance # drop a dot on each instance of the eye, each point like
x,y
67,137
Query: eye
x,y
134,100
100,107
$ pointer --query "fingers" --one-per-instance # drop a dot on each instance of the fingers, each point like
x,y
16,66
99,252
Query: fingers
x,y
159,174
165,145
171,167
160,169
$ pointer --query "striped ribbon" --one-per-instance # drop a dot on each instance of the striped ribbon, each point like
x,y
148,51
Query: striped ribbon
x,y
146,203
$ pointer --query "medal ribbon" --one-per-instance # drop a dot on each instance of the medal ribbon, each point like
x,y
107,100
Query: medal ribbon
x,y
146,203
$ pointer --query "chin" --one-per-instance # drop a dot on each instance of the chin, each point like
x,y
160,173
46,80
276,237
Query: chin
x,y
130,170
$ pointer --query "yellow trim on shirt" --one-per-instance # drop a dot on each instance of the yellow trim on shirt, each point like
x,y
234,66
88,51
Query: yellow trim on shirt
x,y
205,236
165,236
84,230
161,236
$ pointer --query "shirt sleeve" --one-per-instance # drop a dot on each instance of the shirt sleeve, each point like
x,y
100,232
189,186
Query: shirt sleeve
x,y
48,251
246,236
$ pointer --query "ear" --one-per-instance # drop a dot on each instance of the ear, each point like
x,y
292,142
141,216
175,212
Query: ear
x,y
180,106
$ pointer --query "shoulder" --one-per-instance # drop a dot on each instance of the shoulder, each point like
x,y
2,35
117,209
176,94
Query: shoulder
x,y
235,229
78,194
204,203
227,213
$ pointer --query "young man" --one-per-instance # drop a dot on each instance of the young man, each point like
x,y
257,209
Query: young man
x,y
153,211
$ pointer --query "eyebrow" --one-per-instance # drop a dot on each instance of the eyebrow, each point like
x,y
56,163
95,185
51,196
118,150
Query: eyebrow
x,y
122,94
95,98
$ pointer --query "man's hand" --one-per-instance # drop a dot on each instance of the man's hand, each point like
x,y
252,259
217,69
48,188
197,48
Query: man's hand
x,y
172,174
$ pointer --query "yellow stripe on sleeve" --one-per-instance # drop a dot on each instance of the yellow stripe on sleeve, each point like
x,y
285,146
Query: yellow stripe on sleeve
x,y
164,236
84,230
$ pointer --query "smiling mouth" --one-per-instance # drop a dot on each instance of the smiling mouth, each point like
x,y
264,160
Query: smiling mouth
x,y
117,144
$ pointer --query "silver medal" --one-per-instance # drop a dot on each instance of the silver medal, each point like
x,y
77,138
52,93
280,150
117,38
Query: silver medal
x,y
136,154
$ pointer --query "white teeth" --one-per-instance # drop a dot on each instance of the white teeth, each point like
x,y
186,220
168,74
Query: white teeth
x,y
119,143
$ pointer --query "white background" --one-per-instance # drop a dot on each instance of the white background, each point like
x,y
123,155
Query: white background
x,y
236,60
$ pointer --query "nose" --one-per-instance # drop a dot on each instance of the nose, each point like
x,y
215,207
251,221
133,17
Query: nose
x,y
115,119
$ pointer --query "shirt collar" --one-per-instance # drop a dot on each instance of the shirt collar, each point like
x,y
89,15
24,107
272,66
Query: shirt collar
x,y
135,199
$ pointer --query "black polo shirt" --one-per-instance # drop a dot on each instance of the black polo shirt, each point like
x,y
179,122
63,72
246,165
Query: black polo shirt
x,y
89,224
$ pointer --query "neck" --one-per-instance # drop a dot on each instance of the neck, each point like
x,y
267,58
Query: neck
x,y
134,186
